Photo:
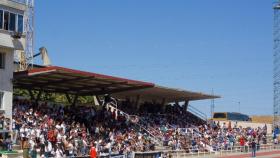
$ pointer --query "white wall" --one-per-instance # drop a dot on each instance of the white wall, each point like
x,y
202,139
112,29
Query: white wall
x,y
8,45
6,76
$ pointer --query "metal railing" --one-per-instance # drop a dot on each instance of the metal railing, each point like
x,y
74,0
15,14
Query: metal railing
x,y
237,150
20,1
197,112
229,151
138,123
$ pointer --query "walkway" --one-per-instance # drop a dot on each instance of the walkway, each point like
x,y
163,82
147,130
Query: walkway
x,y
263,154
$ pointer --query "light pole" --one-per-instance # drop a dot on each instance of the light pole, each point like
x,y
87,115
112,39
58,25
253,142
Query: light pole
x,y
239,106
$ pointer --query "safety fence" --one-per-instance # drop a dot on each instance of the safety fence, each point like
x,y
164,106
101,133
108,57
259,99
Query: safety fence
x,y
233,150
220,152
187,154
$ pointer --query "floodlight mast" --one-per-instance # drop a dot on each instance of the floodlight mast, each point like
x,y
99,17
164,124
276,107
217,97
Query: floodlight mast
x,y
276,63
212,108
29,28
25,57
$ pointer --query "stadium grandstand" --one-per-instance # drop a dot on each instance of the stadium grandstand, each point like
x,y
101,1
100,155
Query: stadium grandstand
x,y
135,118
124,118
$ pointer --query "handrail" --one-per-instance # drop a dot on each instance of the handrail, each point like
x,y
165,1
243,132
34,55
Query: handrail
x,y
141,127
158,139
197,112
154,129
235,149
153,136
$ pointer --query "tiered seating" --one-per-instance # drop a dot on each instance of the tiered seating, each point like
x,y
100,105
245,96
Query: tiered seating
x,y
72,130
63,130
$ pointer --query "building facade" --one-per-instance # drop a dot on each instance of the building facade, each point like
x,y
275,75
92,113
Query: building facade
x,y
11,24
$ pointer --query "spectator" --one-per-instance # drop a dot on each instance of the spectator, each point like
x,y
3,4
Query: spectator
x,y
61,130
93,153
8,143
25,146
254,148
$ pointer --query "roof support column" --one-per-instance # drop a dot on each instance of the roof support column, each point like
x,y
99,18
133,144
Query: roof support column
x,y
137,103
95,100
38,96
75,99
163,102
68,98
98,100
31,94
186,105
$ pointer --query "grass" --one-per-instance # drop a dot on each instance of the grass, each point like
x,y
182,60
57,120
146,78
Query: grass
x,y
8,152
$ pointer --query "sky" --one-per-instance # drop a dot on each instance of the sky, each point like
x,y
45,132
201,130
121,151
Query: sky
x,y
223,45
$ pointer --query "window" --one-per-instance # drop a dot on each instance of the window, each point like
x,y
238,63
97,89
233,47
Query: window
x,y
20,24
1,19
2,60
11,21
6,20
1,99
12,25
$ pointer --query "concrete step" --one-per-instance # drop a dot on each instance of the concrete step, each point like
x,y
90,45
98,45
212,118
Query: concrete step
x,y
162,148
16,147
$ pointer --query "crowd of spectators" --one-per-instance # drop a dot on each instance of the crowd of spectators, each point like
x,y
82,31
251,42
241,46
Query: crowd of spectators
x,y
181,130
174,115
55,130
59,131
160,119
215,137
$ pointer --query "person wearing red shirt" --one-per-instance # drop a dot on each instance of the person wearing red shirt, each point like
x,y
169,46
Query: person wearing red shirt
x,y
242,142
92,152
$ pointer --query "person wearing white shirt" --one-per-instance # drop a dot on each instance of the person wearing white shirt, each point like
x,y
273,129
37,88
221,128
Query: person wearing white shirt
x,y
63,127
48,149
71,149
33,147
33,132
15,131
27,132
84,146
38,132
22,131
59,152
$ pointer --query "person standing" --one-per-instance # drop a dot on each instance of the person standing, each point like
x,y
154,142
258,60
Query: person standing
x,y
242,143
25,147
9,143
92,152
254,148
33,145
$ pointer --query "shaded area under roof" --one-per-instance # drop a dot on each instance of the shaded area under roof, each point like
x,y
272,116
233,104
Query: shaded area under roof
x,y
160,93
64,80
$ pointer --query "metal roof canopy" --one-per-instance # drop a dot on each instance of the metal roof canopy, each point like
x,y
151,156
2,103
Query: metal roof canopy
x,y
160,93
56,79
